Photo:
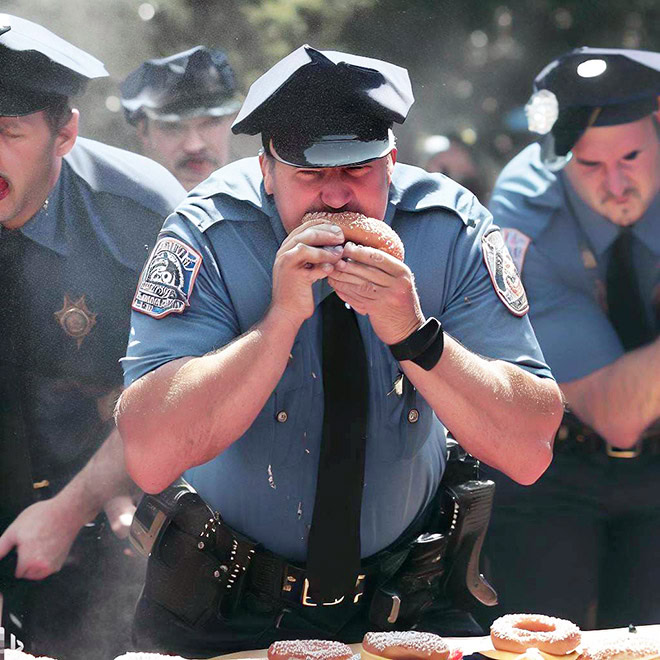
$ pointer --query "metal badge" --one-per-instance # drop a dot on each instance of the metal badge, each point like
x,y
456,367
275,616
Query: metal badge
x,y
75,318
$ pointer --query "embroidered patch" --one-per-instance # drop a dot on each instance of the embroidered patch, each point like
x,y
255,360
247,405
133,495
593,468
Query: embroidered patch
x,y
167,279
503,273
517,244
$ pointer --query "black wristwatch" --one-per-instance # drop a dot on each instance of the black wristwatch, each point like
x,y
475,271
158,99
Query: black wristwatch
x,y
423,347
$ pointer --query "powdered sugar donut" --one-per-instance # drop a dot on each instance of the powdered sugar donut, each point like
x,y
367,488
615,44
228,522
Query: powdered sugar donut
x,y
407,645
630,647
518,632
363,230
309,649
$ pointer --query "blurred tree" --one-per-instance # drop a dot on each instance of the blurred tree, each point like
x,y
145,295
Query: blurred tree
x,y
472,63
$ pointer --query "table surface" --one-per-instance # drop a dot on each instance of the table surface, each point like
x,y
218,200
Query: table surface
x,y
476,644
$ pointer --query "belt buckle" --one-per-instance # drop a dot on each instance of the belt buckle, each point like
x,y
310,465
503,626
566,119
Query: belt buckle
x,y
615,452
308,602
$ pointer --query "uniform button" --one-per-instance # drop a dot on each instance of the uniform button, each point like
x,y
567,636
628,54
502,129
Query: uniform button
x,y
282,416
562,434
413,415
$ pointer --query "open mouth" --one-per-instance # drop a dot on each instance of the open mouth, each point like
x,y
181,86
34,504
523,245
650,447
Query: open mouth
x,y
4,188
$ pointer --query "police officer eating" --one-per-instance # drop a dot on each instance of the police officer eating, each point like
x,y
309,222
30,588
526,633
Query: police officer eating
x,y
303,382
182,107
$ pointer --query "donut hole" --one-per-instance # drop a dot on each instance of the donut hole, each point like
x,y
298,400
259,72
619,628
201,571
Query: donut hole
x,y
535,626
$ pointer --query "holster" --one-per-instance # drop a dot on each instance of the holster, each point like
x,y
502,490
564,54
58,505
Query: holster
x,y
197,565
442,567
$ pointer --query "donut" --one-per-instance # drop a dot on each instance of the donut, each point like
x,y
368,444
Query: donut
x,y
630,647
408,645
518,632
309,649
363,230
142,655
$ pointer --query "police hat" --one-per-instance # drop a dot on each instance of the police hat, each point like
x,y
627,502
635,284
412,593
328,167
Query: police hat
x,y
37,67
591,87
326,109
197,82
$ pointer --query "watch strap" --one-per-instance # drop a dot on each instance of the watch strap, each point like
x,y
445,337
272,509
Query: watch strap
x,y
423,347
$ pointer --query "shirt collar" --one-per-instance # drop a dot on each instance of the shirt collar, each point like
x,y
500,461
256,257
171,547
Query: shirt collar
x,y
45,227
602,232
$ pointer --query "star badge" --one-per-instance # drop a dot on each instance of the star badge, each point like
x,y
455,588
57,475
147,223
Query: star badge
x,y
75,318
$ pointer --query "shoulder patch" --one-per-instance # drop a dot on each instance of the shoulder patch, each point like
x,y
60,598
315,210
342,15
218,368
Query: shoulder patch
x,y
503,273
167,278
517,243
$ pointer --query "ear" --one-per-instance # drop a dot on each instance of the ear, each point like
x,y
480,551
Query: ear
x,y
66,137
267,166
142,128
391,161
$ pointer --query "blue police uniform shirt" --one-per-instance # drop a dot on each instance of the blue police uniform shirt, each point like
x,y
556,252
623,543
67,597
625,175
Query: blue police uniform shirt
x,y
562,246
86,245
264,484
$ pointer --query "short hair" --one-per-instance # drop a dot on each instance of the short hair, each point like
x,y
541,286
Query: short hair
x,y
58,114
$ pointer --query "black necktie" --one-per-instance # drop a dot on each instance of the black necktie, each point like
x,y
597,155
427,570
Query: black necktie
x,y
333,549
624,301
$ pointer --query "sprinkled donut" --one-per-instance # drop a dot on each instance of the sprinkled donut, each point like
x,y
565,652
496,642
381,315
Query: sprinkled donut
x,y
630,647
360,229
309,649
408,645
518,632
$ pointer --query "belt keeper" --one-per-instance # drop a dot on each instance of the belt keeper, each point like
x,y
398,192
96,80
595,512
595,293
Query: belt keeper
x,y
615,452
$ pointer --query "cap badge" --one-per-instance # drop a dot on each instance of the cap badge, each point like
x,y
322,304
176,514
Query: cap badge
x,y
542,111
75,318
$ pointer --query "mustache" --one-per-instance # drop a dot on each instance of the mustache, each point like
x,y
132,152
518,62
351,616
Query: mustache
x,y
183,162
347,208
608,196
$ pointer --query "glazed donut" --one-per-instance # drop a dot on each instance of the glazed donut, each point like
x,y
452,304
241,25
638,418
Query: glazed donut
x,y
518,632
309,649
360,229
630,647
408,645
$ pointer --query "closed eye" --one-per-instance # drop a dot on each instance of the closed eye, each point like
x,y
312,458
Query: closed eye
x,y
632,155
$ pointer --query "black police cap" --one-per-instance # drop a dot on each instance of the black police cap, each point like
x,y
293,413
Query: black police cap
x,y
197,82
326,109
592,87
37,67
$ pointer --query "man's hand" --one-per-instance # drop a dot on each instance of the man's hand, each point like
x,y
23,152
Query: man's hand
x,y
307,254
42,535
120,511
377,284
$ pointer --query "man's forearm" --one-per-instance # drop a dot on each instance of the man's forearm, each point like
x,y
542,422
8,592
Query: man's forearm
x,y
188,411
103,478
622,399
498,412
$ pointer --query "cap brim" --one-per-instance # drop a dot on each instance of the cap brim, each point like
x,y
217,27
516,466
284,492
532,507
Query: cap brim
x,y
224,110
333,151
